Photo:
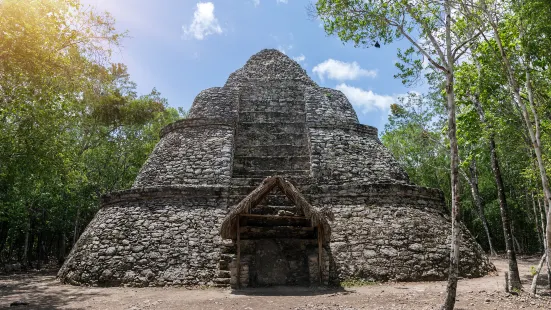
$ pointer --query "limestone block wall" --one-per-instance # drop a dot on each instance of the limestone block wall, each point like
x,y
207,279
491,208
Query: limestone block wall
x,y
191,152
151,237
268,66
350,154
215,102
395,232
326,106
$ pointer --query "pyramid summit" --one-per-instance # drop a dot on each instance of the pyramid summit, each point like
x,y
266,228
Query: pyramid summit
x,y
271,180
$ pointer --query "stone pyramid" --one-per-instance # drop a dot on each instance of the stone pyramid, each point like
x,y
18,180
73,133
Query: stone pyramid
x,y
269,119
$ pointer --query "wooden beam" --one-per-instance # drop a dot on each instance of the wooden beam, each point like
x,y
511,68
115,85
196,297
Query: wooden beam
x,y
238,254
320,254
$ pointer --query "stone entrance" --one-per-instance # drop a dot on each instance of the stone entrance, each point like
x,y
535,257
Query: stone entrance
x,y
275,246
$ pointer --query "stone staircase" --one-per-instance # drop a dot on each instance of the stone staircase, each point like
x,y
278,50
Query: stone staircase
x,y
226,257
271,139
271,135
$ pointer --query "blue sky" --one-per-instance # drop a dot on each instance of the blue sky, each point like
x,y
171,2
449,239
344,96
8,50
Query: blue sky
x,y
182,47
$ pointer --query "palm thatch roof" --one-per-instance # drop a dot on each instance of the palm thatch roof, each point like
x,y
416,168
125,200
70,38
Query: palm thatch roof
x,y
228,230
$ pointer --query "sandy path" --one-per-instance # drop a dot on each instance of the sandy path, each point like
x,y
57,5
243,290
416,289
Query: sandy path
x,y
42,291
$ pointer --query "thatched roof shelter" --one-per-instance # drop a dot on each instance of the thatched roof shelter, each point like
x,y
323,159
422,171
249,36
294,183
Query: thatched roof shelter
x,y
318,218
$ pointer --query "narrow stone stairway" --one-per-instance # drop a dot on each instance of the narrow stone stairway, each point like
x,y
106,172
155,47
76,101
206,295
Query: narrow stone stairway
x,y
271,137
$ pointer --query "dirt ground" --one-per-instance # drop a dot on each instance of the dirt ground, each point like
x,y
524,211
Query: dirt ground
x,y
42,291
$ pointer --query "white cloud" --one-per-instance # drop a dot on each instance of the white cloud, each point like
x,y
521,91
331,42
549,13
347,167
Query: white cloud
x,y
299,58
256,3
204,22
367,100
281,1
341,71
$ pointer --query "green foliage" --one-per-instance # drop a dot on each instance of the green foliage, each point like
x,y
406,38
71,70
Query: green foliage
x,y
356,282
481,77
72,125
533,271
414,136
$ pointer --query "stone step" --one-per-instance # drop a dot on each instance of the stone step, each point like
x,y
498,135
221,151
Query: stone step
x,y
254,163
251,182
272,150
292,232
256,173
221,282
267,128
263,116
223,265
223,274
246,189
228,249
257,139
272,93
280,216
227,257
279,200
279,105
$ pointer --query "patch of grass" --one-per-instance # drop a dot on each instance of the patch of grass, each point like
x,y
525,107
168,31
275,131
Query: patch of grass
x,y
533,270
355,282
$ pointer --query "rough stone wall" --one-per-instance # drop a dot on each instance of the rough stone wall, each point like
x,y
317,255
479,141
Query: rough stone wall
x,y
352,155
150,238
267,66
394,232
216,102
326,106
192,155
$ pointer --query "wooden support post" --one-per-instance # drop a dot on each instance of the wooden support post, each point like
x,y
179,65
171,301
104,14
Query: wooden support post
x,y
238,254
320,255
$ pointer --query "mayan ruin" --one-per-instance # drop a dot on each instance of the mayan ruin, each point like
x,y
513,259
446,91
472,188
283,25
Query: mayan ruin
x,y
270,180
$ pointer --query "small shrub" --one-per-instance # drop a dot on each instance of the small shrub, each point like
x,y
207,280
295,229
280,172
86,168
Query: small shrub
x,y
354,282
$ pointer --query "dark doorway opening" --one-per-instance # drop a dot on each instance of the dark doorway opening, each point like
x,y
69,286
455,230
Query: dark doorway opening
x,y
276,243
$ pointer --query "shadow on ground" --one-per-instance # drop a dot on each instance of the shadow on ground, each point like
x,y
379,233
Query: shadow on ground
x,y
542,280
39,290
291,291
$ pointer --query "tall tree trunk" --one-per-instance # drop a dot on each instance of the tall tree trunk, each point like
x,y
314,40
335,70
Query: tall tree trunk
x,y
25,258
518,248
451,288
545,180
514,277
473,183
541,239
534,286
26,243
39,249
515,91
543,225
61,252
548,237
4,228
75,227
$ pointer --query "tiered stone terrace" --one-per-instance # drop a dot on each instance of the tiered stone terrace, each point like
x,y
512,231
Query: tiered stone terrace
x,y
270,118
